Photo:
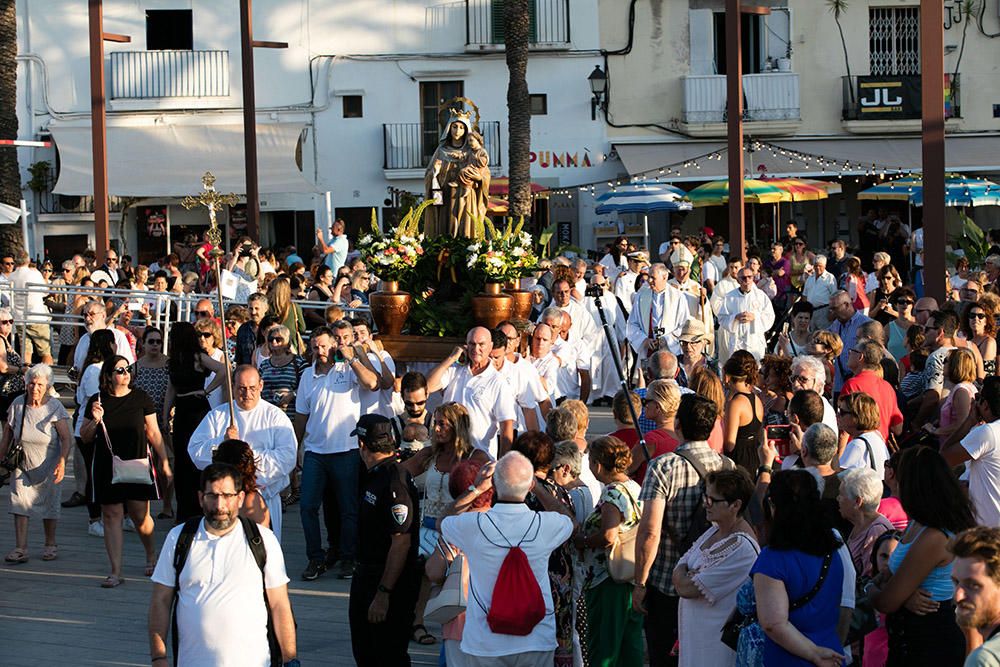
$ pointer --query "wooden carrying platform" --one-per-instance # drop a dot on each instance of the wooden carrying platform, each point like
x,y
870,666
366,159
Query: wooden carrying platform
x,y
420,348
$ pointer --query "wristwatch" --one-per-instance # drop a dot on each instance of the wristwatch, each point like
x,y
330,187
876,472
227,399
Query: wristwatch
x,y
383,589
763,469
294,662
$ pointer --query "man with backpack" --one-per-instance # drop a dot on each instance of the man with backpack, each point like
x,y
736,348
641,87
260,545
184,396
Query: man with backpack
x,y
509,617
673,517
225,578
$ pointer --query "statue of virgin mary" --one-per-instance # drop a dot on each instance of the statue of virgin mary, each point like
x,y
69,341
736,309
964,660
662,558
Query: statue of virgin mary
x,y
457,179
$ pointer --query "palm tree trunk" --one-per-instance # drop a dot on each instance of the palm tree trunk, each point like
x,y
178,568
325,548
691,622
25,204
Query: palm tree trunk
x,y
517,34
10,173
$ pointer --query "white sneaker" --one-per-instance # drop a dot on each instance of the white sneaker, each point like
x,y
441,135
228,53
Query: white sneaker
x,y
128,525
96,528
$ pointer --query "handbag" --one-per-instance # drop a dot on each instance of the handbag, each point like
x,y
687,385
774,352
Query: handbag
x,y
14,458
737,620
129,471
449,599
864,618
621,554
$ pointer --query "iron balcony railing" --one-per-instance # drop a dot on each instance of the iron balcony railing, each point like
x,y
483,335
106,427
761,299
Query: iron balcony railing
x,y
152,74
50,202
484,22
894,97
411,145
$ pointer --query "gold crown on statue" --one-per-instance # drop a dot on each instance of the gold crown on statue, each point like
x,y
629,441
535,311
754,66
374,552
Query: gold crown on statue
x,y
460,114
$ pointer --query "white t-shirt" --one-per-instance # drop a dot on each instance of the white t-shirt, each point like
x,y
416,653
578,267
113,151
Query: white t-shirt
x,y
221,617
214,398
378,401
335,401
32,304
122,347
855,454
526,386
548,371
983,445
477,537
488,399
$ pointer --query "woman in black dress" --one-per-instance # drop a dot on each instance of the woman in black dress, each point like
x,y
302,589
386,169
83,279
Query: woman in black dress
x,y
187,395
122,420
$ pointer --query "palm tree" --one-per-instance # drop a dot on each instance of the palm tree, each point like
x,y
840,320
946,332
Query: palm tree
x,y
838,7
517,36
10,173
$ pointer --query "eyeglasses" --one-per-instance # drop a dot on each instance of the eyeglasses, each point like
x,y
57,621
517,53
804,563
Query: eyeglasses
x,y
67,270
801,379
202,313
112,259
904,302
744,278
511,339
122,370
6,263
219,496
711,500
841,412
978,316
274,339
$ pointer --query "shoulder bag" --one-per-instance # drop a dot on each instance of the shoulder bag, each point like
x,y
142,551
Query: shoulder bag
x,y
449,599
621,554
129,471
737,620
14,458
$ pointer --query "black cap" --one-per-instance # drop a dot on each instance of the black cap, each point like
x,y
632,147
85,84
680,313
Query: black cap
x,y
374,428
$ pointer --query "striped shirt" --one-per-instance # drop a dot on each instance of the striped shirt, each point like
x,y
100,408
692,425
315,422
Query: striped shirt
x,y
277,378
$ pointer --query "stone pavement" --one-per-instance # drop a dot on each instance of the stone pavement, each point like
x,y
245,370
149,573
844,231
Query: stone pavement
x,y
56,613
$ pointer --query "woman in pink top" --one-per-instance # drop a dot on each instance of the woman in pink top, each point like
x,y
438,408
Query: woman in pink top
x,y
663,397
959,373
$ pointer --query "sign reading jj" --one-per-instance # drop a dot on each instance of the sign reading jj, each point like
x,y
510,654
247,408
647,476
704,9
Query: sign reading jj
x,y
888,97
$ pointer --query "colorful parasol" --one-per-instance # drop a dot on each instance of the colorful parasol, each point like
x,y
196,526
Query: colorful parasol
x,y
958,191
645,198
900,189
798,189
716,193
501,187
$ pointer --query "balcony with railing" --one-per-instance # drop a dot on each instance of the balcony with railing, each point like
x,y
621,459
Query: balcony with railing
x,y
770,103
875,104
484,24
50,203
140,75
411,145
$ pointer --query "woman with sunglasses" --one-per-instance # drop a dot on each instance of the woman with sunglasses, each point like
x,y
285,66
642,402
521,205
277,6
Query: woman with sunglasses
x,y
210,339
978,326
153,377
281,371
187,394
895,331
121,421
881,298
801,260
11,371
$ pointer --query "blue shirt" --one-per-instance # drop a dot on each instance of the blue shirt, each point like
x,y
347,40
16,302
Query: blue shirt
x,y
338,252
817,619
848,332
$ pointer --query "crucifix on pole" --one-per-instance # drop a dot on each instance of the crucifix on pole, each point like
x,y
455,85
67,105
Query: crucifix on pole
x,y
98,123
734,121
247,44
213,200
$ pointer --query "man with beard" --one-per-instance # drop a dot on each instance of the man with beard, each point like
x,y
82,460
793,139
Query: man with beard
x,y
976,576
214,566
413,390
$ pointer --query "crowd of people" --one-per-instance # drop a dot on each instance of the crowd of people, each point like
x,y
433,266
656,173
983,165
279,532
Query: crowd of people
x,y
803,467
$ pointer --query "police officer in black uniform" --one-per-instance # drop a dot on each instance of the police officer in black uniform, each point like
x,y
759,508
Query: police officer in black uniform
x,y
387,577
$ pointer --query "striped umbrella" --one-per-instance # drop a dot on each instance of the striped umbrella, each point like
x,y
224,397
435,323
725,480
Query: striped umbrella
x,y
798,189
900,189
642,199
961,191
831,187
501,187
716,193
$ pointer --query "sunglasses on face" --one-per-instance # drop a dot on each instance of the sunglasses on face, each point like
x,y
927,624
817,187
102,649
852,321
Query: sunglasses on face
x,y
276,339
207,334
122,370
6,321
202,313
844,413
414,403
978,316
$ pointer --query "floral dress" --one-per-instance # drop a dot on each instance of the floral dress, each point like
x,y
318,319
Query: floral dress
x,y
560,577
750,650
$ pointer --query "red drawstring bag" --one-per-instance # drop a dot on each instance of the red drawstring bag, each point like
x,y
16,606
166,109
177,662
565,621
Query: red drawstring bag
x,y
518,605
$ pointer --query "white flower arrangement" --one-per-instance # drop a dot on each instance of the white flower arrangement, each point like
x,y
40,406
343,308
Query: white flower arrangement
x,y
395,252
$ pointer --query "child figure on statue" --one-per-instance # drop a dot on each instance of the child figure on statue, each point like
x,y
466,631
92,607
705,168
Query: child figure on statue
x,y
470,173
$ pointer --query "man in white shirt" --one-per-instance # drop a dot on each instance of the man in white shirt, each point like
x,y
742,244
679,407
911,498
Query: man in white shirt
x,y
336,252
523,378
221,614
573,375
263,426
545,361
327,408
479,387
584,334
484,539
378,400
747,315
624,282
30,307
977,443
95,317
817,290
723,340
657,316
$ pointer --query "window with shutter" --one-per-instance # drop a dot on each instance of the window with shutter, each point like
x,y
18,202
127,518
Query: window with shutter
x,y
894,41
497,22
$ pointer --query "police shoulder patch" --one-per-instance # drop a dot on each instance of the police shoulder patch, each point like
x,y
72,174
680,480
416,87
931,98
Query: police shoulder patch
x,y
400,513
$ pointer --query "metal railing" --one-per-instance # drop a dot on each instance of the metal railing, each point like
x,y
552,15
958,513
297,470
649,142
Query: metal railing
x,y
152,74
484,22
768,96
50,202
169,308
862,93
411,145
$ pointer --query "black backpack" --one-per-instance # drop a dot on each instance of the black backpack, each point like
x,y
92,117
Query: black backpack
x,y
699,519
256,544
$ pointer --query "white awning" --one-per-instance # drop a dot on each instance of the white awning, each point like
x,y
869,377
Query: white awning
x,y
158,159
9,215
976,153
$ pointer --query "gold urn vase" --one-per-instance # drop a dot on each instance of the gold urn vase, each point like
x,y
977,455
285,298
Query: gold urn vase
x,y
390,308
521,308
491,307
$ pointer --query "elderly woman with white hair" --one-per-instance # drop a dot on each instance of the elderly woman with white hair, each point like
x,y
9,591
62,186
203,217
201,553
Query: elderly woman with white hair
x,y
858,501
11,376
40,423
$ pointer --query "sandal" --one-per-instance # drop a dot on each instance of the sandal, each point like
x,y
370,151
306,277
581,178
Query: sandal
x,y
16,556
421,636
50,552
150,568
112,581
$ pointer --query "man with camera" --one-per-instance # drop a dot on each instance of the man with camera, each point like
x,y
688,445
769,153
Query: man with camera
x,y
658,315
240,266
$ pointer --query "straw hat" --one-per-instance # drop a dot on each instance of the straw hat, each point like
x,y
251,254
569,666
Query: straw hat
x,y
693,331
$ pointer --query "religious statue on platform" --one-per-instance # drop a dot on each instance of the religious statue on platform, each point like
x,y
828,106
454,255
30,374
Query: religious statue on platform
x,y
457,179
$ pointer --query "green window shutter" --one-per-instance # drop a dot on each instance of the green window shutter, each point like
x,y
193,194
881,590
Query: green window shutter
x,y
498,23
